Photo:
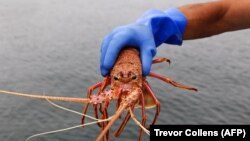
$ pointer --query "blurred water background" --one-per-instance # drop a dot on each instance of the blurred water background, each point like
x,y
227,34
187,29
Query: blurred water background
x,y
53,47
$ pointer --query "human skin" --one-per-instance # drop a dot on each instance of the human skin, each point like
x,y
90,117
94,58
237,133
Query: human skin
x,y
194,21
212,18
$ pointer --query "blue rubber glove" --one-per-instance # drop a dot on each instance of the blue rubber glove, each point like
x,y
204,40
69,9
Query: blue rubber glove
x,y
148,32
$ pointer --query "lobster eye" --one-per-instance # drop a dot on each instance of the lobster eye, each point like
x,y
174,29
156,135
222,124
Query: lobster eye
x,y
134,77
115,78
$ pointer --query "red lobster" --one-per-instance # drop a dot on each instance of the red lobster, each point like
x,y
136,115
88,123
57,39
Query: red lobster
x,y
127,86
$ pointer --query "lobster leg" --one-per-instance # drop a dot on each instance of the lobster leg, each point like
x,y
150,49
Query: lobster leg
x,y
105,116
96,113
172,82
112,121
90,90
155,101
125,121
128,116
121,128
161,60
127,101
102,85
144,117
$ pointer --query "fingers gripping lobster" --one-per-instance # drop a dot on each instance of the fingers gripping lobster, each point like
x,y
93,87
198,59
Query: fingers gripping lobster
x,y
129,88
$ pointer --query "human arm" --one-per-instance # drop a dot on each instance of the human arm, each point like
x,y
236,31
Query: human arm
x,y
211,18
172,26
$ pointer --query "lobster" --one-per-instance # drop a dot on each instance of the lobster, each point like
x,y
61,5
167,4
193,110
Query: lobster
x,y
131,90
127,86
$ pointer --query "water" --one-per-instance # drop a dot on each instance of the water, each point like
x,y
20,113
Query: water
x,y
52,47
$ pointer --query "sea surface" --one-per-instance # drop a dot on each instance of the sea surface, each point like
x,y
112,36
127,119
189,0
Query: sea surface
x,y
52,47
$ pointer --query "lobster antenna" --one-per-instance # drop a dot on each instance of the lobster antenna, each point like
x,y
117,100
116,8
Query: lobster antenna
x,y
51,132
137,122
69,110
66,129
58,98
69,128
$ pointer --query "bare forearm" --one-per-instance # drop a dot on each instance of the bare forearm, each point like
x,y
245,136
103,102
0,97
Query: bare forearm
x,y
211,18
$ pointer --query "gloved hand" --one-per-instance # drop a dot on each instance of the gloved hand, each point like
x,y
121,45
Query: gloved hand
x,y
148,32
